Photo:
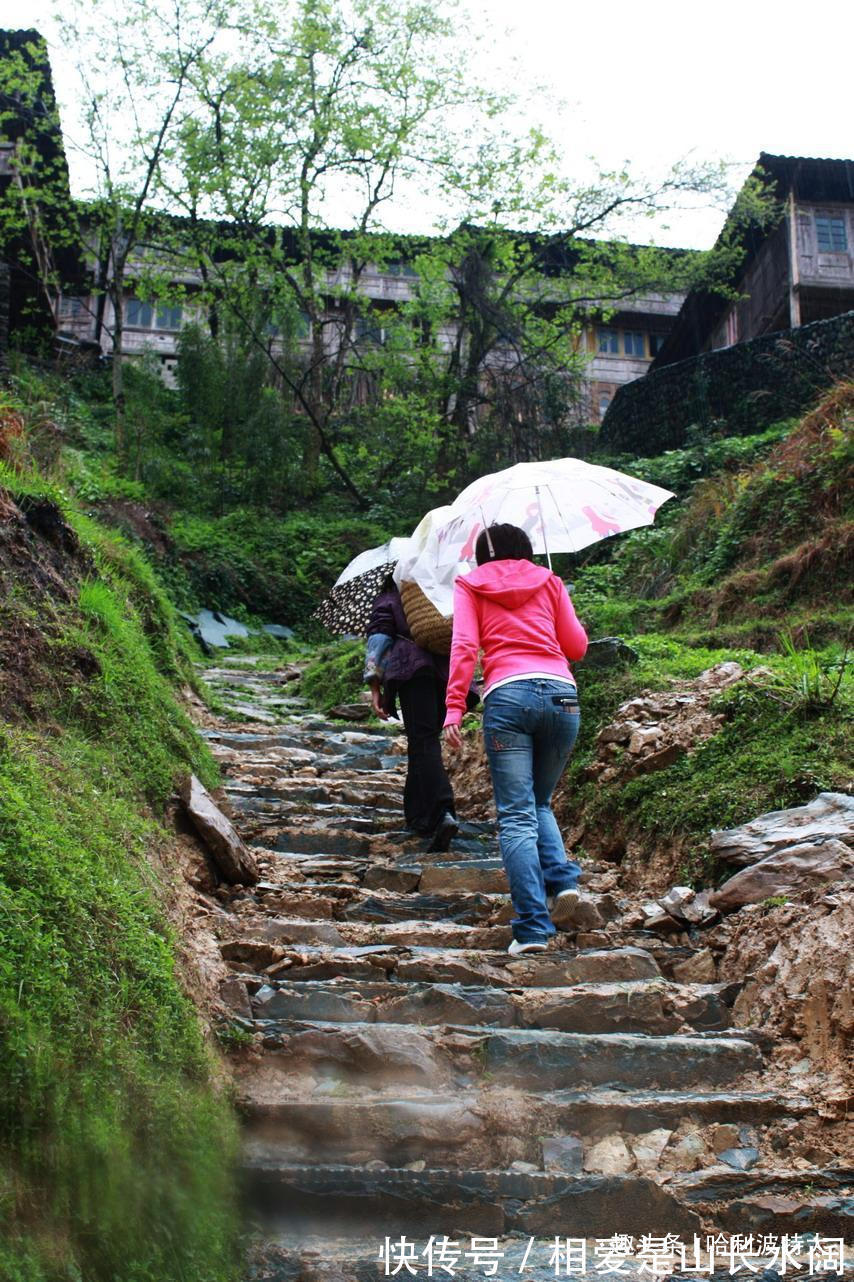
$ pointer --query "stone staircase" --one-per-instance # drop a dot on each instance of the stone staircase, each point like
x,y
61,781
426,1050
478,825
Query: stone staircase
x,y
406,1076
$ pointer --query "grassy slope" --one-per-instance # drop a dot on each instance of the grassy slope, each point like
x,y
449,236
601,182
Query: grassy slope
x,y
114,1142
249,562
749,564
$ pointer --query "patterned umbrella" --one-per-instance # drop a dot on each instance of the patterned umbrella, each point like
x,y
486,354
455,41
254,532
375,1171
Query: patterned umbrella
x,y
347,608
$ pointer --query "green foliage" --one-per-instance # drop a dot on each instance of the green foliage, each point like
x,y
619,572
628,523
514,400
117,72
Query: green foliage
x,y
335,675
278,568
758,539
769,754
810,681
235,433
116,1143
707,452
762,759
117,1147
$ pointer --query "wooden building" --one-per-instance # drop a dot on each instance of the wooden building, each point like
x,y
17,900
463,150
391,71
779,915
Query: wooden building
x,y
799,270
80,311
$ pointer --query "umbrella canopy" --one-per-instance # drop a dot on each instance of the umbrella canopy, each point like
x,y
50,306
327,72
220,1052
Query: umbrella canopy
x,y
563,505
347,608
387,554
419,563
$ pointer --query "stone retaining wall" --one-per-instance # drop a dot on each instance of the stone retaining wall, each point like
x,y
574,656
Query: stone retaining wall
x,y
749,385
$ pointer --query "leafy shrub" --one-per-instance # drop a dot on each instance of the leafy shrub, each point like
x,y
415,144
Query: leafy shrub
x,y
335,675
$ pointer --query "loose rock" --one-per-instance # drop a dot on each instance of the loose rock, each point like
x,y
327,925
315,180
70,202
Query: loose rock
x,y
787,872
564,1153
609,1157
232,857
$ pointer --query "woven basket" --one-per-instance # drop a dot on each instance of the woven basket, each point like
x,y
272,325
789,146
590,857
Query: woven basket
x,y
429,628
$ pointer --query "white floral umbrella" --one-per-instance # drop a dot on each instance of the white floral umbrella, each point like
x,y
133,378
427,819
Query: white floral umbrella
x,y
563,505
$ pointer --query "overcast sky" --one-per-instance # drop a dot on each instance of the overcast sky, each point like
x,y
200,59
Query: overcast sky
x,y
652,82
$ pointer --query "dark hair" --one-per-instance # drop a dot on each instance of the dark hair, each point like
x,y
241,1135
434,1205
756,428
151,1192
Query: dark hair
x,y
509,543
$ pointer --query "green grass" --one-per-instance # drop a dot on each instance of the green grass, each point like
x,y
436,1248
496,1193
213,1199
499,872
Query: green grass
x,y
335,675
785,737
117,1147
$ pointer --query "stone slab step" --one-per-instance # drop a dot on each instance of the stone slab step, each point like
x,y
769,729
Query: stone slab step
x,y
538,1060
476,1201
343,902
315,840
640,1006
783,1202
313,960
273,783
437,934
490,1128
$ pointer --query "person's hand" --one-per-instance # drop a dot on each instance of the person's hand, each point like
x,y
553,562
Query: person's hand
x,y
453,738
379,710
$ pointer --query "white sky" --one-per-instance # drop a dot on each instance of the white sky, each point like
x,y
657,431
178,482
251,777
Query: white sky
x,y
652,81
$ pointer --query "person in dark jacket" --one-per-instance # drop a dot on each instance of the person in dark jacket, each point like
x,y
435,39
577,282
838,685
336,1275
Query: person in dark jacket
x,y
399,670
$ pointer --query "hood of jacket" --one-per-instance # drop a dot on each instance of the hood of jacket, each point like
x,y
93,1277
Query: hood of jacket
x,y
508,583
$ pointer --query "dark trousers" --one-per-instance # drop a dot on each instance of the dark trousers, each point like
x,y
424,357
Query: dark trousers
x,y
427,793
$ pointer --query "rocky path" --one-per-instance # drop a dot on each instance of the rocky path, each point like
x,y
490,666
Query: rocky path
x,y
400,1074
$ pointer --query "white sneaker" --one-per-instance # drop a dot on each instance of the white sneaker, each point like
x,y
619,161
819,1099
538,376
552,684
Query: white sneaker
x,y
518,946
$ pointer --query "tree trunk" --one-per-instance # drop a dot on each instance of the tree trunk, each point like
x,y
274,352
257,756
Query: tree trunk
x,y
119,403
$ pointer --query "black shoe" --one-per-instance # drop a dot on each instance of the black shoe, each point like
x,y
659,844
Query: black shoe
x,y
446,829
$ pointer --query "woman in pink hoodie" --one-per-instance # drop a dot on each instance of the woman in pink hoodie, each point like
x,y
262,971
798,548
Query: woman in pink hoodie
x,y
520,615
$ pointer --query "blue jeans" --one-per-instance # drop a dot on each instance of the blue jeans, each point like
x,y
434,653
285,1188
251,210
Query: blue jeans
x,y
528,740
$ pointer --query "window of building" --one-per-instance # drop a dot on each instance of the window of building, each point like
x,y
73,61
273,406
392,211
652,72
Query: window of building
x,y
633,344
656,342
138,314
367,330
397,267
608,340
72,307
830,234
604,402
297,326
168,317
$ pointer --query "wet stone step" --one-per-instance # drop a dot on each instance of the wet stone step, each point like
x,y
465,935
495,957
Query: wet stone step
x,y
436,934
491,1128
249,712
311,841
538,1060
445,965
350,903
483,1202
638,1006
820,1200
323,726
359,764
252,740
334,796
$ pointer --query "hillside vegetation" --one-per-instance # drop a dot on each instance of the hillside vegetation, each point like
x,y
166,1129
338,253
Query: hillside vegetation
x,y
115,1139
748,564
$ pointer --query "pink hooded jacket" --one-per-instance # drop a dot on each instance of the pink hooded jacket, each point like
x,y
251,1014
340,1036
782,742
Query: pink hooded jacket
x,y
521,616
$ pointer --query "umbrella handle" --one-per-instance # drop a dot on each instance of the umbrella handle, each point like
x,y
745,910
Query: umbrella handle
x,y
543,526
488,536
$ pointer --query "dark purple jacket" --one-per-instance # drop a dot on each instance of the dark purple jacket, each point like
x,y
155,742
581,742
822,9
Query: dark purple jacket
x,y
404,658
